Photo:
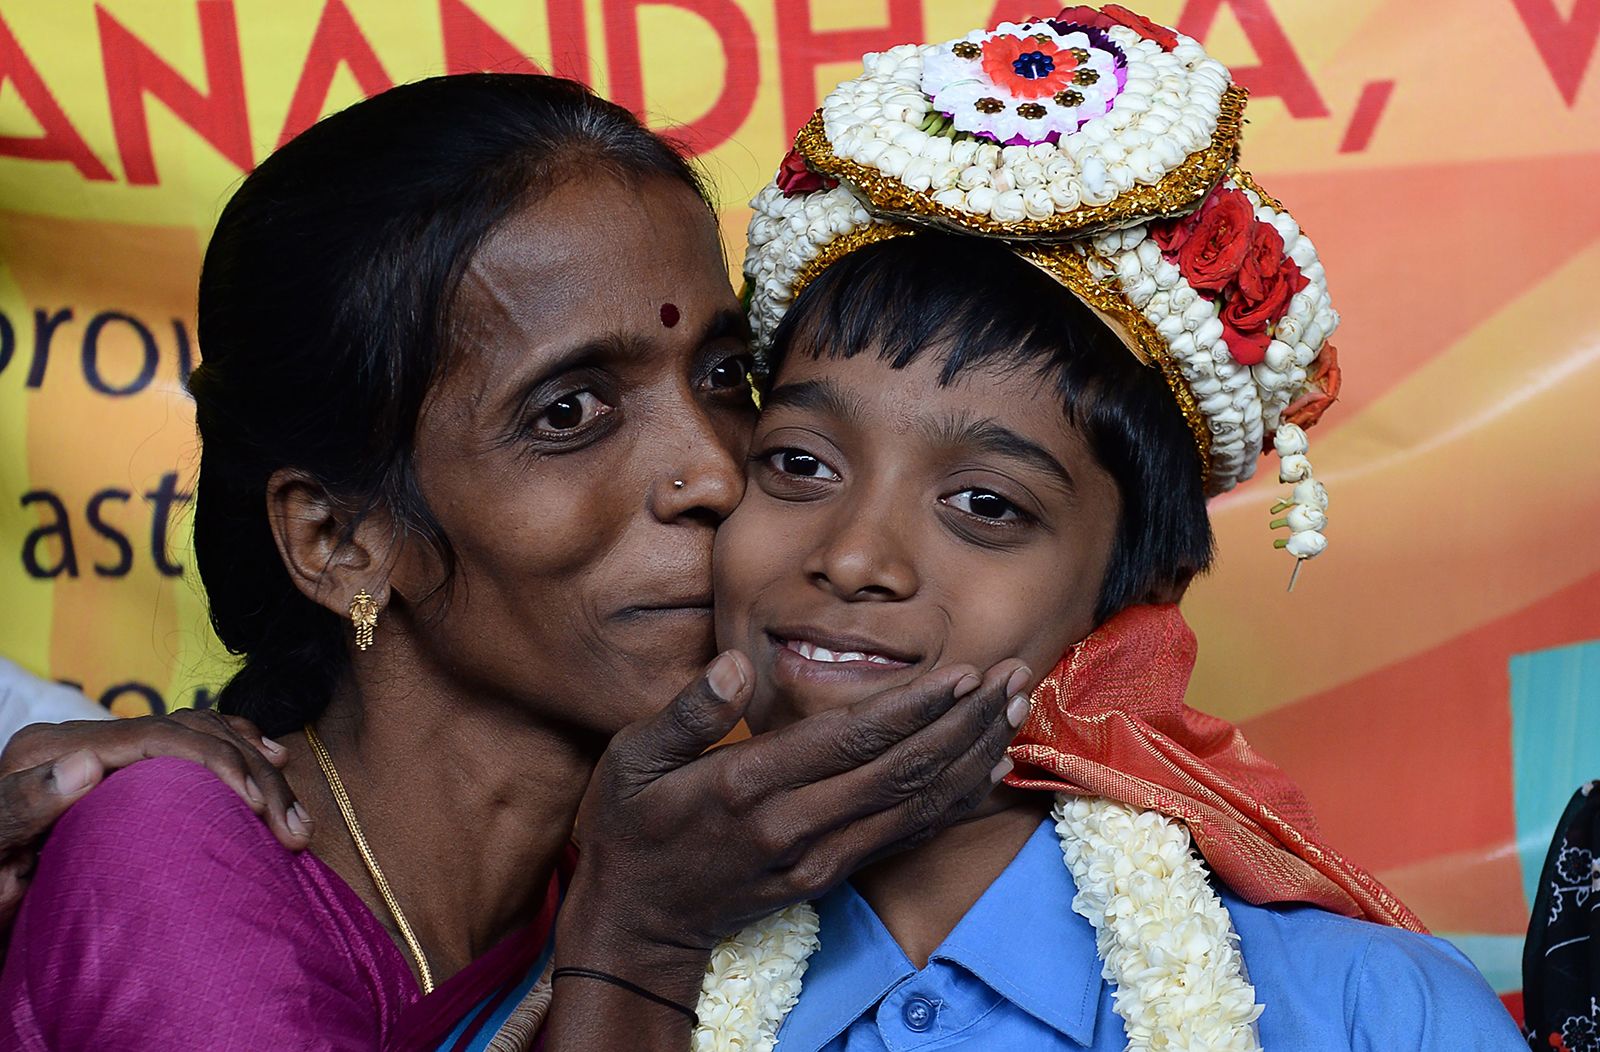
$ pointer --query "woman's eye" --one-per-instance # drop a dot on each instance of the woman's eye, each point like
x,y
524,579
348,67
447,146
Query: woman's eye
x,y
730,373
570,412
798,462
985,505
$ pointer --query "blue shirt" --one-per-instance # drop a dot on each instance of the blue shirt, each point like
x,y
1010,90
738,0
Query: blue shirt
x,y
1020,971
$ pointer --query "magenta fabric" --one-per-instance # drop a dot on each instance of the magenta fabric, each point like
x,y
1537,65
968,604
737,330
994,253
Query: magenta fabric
x,y
164,914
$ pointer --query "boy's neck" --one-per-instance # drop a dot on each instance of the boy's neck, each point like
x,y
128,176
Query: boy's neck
x,y
922,894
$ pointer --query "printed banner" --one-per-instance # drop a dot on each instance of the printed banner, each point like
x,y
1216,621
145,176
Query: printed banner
x,y
1433,682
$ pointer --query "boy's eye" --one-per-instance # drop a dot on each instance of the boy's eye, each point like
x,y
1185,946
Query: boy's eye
x,y
984,505
798,462
570,412
730,373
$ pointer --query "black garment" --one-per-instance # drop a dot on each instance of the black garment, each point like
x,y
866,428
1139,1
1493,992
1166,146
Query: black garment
x,y
1561,961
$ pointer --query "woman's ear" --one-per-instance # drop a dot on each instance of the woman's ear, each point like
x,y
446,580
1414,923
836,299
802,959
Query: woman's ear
x,y
328,560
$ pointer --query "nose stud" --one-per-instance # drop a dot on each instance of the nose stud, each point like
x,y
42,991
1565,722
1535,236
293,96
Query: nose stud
x,y
677,483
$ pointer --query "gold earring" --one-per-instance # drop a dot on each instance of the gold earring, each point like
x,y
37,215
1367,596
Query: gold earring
x,y
364,612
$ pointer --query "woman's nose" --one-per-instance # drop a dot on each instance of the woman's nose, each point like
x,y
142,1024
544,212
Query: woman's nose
x,y
704,479
868,558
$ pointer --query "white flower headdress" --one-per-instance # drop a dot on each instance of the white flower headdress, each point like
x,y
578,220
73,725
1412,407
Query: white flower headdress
x,y
1103,150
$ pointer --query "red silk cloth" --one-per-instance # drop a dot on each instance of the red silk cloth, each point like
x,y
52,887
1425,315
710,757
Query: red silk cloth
x,y
1110,721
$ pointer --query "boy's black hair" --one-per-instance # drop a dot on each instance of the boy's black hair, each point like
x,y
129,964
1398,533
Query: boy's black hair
x,y
975,303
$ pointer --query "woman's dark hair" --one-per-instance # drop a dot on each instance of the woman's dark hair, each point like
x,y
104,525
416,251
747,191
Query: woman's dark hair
x,y
975,303
325,317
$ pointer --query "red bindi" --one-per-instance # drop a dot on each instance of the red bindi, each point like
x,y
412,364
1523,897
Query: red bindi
x,y
669,314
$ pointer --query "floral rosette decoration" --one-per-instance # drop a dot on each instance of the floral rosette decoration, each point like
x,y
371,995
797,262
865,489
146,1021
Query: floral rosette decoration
x,y
1123,184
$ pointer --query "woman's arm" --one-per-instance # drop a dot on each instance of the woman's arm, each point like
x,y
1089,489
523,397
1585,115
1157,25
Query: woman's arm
x,y
680,847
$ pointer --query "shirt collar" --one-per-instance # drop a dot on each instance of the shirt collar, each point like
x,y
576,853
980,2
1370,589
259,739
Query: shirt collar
x,y
857,963
1021,938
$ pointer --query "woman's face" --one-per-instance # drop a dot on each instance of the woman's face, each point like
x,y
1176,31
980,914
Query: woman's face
x,y
893,525
579,453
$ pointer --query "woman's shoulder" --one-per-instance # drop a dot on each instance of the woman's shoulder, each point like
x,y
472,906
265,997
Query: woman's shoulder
x,y
1381,986
174,810
160,897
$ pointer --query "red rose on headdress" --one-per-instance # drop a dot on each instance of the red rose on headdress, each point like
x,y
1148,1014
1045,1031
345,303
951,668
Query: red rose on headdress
x,y
1117,15
796,177
1267,278
1216,246
1247,348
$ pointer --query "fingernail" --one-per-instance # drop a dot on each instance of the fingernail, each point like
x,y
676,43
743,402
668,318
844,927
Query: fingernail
x,y
1018,680
1001,769
252,790
272,747
72,775
299,820
967,684
1017,711
725,677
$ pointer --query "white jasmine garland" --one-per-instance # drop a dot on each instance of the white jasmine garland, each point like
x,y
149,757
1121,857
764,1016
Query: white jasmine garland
x,y
1165,939
752,981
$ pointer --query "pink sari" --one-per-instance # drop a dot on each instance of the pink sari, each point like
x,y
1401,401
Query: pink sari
x,y
163,914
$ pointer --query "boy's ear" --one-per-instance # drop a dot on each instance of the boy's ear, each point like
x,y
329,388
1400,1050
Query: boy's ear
x,y
1169,591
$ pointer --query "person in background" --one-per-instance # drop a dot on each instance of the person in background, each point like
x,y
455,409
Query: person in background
x,y
1561,959
25,699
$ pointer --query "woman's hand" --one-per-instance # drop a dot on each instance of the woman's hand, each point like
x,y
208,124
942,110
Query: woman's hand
x,y
47,767
679,847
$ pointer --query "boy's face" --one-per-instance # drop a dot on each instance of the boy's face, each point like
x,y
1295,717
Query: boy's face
x,y
892,525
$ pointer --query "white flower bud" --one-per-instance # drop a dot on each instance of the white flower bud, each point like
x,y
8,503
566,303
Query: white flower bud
x,y
1311,493
1304,517
1036,203
1008,207
894,161
1307,545
1290,439
1064,193
1294,468
980,200
1028,174
918,174
972,177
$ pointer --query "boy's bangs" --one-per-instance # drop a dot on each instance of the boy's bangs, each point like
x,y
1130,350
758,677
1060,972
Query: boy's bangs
x,y
970,301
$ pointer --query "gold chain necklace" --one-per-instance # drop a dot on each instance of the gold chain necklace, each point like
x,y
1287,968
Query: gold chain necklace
x,y
342,798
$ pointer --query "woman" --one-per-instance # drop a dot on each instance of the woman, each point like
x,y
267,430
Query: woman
x,y
475,379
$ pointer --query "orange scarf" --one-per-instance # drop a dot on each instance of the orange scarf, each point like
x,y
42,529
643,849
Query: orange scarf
x,y
1110,721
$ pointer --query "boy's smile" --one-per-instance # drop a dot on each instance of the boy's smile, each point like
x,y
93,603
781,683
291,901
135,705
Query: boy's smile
x,y
892,525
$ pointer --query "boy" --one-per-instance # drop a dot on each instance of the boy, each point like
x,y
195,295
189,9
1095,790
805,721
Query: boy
x,y
959,459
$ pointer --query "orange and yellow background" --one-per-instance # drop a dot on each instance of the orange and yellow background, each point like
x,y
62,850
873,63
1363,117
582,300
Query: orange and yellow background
x,y
1434,680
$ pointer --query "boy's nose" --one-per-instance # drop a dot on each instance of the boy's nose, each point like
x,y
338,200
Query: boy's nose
x,y
867,560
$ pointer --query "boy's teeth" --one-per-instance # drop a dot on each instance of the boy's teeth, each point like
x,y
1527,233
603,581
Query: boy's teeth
x,y
812,652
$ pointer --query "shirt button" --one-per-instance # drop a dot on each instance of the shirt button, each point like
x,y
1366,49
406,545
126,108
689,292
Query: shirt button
x,y
918,1013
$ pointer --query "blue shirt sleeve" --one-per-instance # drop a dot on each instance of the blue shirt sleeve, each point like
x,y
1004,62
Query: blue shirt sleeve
x,y
1416,992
